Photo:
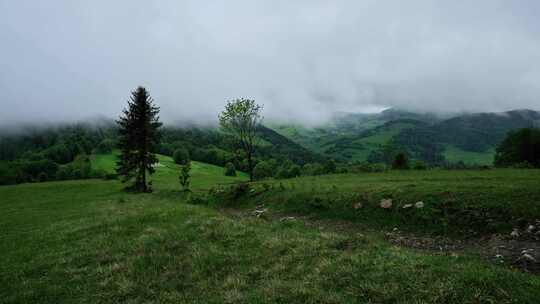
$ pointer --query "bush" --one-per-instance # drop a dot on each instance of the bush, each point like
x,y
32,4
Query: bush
x,y
288,171
181,156
330,167
313,169
59,154
80,168
401,162
262,170
42,177
8,174
521,146
106,146
230,170
239,190
110,176
419,165
185,176
64,172
32,169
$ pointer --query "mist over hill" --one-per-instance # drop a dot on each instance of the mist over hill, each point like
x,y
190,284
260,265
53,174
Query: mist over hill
x,y
432,137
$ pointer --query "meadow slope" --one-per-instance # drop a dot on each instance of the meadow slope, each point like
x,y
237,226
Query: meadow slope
x,y
89,242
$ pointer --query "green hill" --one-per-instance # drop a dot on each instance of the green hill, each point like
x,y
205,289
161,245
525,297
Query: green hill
x,y
468,138
89,242
204,175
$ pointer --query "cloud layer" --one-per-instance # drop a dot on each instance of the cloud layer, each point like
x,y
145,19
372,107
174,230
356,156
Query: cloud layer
x,y
304,60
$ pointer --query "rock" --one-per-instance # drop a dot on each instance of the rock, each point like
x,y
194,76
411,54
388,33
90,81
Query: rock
x,y
407,206
287,218
386,203
499,256
395,229
357,205
419,205
531,229
514,233
259,213
527,257
527,251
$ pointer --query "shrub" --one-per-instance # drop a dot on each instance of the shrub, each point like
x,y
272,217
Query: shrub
x,y
185,176
230,170
329,167
262,170
8,174
401,161
64,172
32,169
521,146
42,177
288,171
105,146
239,189
181,156
313,169
419,165
59,154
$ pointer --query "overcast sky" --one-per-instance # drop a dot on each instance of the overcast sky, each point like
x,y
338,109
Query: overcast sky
x,y
68,60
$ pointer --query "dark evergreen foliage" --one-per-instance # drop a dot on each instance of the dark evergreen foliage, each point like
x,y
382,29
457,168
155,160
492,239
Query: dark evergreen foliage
x,y
181,156
138,140
230,170
401,161
519,148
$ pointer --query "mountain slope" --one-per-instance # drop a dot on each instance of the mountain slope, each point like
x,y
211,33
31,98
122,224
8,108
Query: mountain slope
x,y
468,138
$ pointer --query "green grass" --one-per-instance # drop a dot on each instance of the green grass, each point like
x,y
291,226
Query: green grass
x,y
454,154
348,142
89,242
204,176
455,201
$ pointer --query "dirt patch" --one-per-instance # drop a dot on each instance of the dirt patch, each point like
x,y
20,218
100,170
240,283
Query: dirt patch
x,y
521,252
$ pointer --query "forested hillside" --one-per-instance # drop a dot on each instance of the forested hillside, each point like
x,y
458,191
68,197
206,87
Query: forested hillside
x,y
434,139
63,152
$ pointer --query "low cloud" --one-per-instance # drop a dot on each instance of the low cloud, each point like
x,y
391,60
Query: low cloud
x,y
304,60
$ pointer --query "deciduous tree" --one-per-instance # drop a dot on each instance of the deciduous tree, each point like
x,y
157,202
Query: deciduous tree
x,y
241,118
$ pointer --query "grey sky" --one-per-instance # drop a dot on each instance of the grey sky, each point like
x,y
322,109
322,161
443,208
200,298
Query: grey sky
x,y
302,59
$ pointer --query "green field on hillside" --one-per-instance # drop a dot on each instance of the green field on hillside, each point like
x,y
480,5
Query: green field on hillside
x,y
204,175
455,154
89,242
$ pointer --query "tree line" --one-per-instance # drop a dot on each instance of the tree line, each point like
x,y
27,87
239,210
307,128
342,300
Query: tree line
x,y
65,152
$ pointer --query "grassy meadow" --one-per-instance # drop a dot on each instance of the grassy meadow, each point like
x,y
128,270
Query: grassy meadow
x,y
90,242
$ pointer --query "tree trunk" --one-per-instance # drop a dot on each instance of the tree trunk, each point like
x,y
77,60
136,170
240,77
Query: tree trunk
x,y
144,178
250,165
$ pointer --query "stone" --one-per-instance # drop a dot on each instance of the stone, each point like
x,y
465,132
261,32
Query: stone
x,y
386,203
531,228
514,233
527,251
419,205
259,213
528,257
407,206
357,205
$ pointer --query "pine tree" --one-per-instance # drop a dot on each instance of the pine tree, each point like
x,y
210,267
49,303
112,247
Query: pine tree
x,y
138,140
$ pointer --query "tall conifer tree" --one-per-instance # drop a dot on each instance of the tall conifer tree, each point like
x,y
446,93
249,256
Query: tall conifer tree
x,y
138,140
